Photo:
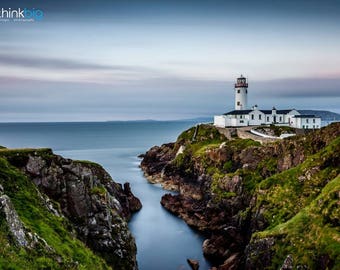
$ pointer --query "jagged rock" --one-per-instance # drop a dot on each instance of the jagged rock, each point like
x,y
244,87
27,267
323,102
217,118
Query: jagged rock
x,y
157,157
20,234
259,253
194,264
134,202
13,221
219,187
35,164
97,206
288,263
213,248
232,263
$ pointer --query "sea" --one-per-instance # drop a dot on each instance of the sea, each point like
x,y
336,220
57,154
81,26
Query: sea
x,y
163,240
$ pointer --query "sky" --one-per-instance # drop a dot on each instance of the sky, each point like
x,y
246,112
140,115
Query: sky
x,y
138,59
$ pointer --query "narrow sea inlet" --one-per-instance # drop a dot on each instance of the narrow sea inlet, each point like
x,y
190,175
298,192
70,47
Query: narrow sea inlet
x,y
163,240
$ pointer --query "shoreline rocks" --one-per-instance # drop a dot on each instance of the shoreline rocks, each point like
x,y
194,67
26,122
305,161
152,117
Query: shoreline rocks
x,y
97,207
218,184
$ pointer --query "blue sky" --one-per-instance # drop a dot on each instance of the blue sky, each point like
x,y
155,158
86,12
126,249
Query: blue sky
x,y
121,60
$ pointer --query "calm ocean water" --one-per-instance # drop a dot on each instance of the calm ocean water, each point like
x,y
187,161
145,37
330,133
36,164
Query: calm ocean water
x,y
163,240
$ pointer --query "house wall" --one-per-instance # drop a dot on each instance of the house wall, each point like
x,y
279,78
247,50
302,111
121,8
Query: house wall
x,y
306,123
288,116
256,118
237,120
220,120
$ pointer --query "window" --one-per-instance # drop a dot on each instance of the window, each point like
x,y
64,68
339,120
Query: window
x,y
260,116
313,126
252,117
306,120
267,118
238,91
303,126
241,121
238,103
246,91
313,120
280,118
240,116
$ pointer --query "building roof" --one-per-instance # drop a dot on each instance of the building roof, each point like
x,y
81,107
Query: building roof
x,y
243,112
238,112
266,111
284,111
277,111
306,116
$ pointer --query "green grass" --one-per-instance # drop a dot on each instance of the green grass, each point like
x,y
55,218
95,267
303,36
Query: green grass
x,y
198,151
219,193
300,205
101,191
19,157
89,163
312,233
204,133
36,218
284,194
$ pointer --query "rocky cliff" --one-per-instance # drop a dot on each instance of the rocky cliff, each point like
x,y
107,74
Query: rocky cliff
x,y
265,206
58,213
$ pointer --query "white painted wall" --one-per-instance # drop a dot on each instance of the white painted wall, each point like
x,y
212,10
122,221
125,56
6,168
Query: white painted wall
x,y
220,121
241,99
256,117
274,118
288,116
306,123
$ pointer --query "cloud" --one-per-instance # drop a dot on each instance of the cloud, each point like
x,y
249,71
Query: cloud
x,y
61,64
297,88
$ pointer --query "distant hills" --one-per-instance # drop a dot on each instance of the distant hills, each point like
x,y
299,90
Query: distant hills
x,y
325,115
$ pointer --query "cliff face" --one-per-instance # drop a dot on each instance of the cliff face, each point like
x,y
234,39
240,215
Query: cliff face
x,y
50,201
262,205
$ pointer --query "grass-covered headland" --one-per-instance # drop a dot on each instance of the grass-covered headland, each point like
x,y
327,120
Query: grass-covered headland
x,y
56,213
262,206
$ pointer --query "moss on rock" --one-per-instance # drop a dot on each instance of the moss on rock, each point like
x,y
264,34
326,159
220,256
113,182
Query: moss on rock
x,y
67,252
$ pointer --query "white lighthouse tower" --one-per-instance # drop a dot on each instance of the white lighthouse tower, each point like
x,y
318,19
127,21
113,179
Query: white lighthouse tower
x,y
241,93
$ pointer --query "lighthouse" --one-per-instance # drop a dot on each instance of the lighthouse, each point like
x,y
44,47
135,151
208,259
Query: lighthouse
x,y
242,116
241,93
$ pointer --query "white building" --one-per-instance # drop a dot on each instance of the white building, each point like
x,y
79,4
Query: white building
x,y
242,116
306,121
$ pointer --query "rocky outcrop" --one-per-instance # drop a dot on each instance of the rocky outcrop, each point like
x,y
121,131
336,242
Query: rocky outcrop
x,y
260,253
231,188
194,264
97,207
13,222
22,236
